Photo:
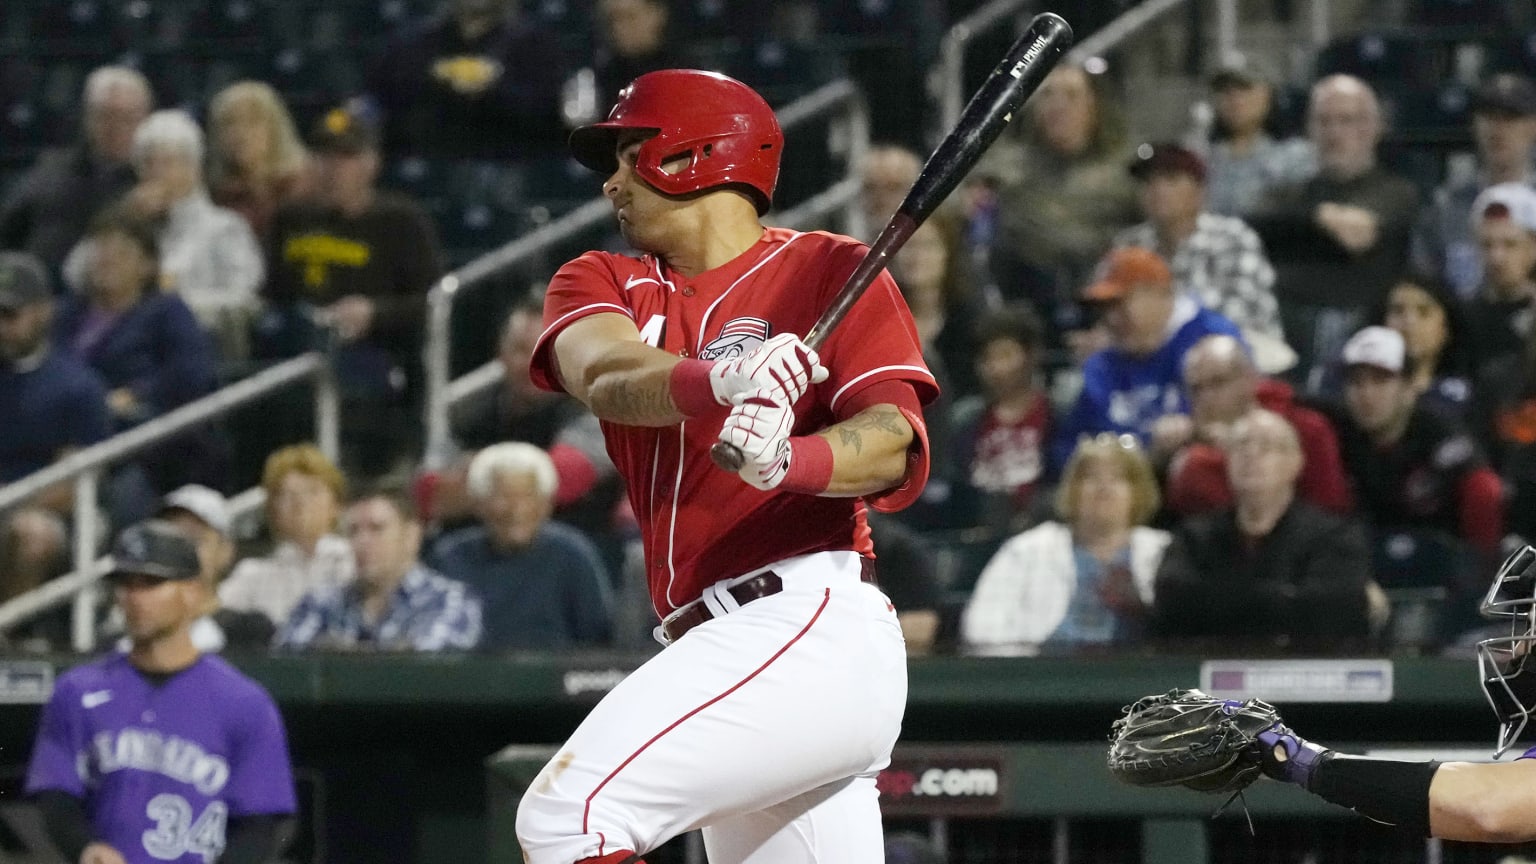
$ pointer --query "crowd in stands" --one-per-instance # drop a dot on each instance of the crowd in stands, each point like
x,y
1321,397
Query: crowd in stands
x,y
1252,388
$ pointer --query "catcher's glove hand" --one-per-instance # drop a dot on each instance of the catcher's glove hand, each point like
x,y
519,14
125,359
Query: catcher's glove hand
x,y
1188,738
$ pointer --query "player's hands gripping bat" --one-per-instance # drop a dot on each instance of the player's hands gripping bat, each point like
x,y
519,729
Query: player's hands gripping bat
x,y
1013,81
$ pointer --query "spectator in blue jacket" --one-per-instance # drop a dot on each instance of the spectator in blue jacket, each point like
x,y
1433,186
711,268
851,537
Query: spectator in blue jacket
x,y
1129,386
53,406
148,348
543,583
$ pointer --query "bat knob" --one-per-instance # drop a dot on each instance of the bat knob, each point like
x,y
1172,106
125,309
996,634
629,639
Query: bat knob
x,y
726,457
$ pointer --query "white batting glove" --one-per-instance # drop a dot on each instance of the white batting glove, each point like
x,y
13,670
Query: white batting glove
x,y
759,427
783,364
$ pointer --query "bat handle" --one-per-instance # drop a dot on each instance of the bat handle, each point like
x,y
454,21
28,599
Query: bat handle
x,y
726,457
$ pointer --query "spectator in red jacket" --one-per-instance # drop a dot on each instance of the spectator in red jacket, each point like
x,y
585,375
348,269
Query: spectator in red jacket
x,y
1223,386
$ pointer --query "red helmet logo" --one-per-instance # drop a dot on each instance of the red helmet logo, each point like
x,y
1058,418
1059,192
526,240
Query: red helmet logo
x,y
725,130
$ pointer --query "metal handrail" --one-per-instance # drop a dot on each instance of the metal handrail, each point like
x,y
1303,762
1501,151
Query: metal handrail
x,y
946,81
84,467
440,393
19,610
1110,36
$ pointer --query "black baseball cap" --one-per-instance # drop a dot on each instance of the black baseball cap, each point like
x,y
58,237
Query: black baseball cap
x,y
23,280
157,549
1506,94
345,129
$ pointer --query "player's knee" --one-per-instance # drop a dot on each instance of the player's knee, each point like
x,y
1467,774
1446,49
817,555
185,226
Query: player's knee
x,y
549,830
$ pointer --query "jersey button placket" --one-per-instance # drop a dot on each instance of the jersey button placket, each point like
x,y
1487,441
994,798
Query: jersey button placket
x,y
688,291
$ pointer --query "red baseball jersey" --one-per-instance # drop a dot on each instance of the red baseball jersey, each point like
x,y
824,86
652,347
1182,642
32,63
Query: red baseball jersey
x,y
701,524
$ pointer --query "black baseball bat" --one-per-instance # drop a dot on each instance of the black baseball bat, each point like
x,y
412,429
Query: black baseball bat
x,y
1014,80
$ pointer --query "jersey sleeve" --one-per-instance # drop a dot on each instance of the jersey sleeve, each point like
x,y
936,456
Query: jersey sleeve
x,y
877,345
585,286
60,746
260,774
877,341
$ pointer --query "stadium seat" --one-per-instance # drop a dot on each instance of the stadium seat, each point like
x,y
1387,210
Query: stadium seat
x,y
1401,61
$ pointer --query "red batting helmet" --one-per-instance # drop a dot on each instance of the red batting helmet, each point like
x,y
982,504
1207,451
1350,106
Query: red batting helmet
x,y
726,130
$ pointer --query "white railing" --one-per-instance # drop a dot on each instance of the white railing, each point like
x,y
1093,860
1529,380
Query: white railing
x,y
946,81
85,469
850,137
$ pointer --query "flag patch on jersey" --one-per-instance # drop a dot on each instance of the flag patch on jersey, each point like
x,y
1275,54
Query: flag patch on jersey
x,y
740,336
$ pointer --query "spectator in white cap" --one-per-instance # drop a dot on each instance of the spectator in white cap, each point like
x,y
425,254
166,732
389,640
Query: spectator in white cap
x,y
1499,318
1504,132
202,515
1415,470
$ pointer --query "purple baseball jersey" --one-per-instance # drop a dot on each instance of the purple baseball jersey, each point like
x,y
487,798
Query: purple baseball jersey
x,y
162,767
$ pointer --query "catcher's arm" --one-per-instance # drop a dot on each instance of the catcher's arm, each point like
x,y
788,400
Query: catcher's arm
x,y
1490,802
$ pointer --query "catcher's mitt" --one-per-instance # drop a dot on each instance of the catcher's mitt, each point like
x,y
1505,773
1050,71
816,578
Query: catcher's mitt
x,y
1188,738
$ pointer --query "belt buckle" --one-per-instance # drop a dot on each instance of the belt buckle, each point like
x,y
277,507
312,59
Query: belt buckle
x,y
659,632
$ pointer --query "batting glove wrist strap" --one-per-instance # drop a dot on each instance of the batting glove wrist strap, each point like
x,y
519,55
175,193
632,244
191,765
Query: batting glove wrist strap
x,y
693,391
810,465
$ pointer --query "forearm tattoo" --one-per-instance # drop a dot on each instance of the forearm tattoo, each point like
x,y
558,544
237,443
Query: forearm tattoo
x,y
637,402
881,418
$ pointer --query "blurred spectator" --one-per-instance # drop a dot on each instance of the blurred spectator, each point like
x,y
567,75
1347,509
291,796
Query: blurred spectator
x,y
150,351
396,603
48,209
202,515
1084,581
589,488
477,80
1139,377
909,577
1272,571
1501,314
1340,239
361,260
889,172
304,493
1218,259
208,254
1437,354
1414,470
1245,160
1062,193
54,406
1223,387
634,37
1001,445
542,583
256,162
937,281
1504,129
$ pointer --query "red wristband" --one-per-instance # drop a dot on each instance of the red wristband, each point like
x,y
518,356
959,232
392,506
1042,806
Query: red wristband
x,y
689,385
810,465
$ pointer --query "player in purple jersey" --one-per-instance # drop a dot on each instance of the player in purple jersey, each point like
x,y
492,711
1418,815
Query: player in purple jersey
x,y
163,753
1480,802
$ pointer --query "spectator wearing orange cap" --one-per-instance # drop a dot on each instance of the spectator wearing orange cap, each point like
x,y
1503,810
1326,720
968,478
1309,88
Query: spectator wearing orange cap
x,y
1139,377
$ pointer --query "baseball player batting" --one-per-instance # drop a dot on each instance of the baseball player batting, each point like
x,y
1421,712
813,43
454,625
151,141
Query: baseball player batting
x,y
161,754
781,690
